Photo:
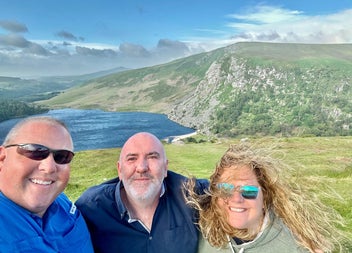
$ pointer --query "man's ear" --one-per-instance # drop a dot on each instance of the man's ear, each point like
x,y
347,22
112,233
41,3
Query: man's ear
x,y
2,156
166,167
118,167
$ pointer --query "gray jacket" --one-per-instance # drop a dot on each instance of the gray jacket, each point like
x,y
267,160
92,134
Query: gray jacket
x,y
275,238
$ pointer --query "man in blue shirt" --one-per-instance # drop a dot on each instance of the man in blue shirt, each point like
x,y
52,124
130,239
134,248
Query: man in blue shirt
x,y
143,210
35,216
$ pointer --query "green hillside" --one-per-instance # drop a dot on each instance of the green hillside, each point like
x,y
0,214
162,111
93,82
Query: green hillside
x,y
151,89
241,90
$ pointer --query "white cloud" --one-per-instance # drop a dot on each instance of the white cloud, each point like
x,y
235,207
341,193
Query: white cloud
x,y
291,26
267,15
72,55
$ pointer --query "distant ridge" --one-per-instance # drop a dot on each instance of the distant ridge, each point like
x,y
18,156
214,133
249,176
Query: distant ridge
x,y
243,89
31,89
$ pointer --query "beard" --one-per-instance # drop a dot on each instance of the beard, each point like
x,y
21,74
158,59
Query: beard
x,y
143,191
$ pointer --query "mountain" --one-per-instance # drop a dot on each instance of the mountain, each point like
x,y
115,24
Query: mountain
x,y
242,89
39,88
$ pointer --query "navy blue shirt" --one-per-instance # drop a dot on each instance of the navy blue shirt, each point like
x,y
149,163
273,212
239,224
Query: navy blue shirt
x,y
173,228
61,229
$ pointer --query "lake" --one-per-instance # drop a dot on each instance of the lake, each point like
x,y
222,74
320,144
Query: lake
x,y
96,129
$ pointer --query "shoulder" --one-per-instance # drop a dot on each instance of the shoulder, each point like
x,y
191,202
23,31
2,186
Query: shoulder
x,y
96,201
284,238
205,247
98,192
6,205
67,208
174,178
75,234
62,199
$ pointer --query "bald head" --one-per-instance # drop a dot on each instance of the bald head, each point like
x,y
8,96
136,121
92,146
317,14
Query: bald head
x,y
142,142
16,130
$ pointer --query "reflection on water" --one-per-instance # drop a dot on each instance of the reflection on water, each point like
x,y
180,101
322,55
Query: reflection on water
x,y
96,129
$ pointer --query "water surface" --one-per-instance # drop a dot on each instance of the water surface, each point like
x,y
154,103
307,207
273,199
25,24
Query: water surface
x,y
96,129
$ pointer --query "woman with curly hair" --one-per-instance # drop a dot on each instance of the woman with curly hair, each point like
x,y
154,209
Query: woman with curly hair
x,y
252,207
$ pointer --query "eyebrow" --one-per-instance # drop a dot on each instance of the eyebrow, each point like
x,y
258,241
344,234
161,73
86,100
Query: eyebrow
x,y
131,154
155,153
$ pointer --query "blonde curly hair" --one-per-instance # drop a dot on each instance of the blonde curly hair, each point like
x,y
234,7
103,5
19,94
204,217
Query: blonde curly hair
x,y
297,207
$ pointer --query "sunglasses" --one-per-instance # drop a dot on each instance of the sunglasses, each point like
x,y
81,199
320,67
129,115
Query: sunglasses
x,y
39,152
247,191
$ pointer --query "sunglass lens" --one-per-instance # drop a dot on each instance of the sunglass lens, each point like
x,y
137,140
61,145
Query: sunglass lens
x,y
249,191
33,151
226,189
40,152
63,156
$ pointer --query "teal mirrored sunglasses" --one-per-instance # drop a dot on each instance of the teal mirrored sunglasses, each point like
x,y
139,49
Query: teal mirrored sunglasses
x,y
247,191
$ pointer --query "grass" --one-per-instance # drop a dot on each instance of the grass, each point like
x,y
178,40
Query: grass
x,y
326,162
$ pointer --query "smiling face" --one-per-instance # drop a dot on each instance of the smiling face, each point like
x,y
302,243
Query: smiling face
x,y
142,167
34,184
242,213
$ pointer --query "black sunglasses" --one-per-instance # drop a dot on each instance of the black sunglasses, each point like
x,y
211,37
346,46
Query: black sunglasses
x,y
39,152
247,191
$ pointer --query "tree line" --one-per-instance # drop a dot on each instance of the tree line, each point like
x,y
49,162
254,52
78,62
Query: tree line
x,y
249,114
15,109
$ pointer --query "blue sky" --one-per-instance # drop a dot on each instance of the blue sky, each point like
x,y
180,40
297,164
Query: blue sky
x,y
70,37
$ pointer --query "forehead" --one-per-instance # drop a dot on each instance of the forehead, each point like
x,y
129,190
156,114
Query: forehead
x,y
238,172
43,132
142,144
38,127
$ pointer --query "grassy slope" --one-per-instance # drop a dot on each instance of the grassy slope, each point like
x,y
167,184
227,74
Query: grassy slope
x,y
155,88
149,89
323,163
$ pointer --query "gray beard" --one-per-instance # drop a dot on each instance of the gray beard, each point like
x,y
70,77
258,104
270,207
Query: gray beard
x,y
142,193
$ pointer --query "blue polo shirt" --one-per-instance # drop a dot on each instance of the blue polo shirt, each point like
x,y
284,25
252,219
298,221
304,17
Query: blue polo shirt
x,y
112,229
61,229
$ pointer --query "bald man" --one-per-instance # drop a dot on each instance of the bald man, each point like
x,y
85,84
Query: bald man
x,y
143,210
35,216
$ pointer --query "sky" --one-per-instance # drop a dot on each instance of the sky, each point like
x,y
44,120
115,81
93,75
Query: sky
x,y
71,37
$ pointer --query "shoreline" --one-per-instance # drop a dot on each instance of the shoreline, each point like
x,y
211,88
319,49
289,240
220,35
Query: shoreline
x,y
175,138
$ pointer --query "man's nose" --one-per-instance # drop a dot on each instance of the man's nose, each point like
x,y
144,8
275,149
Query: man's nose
x,y
142,166
48,164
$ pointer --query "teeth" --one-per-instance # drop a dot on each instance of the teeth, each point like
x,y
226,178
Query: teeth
x,y
38,181
237,210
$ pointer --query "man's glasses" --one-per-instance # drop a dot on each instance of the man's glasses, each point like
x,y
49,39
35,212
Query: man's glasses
x,y
247,191
39,152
